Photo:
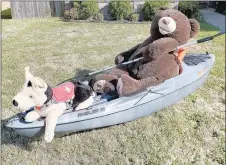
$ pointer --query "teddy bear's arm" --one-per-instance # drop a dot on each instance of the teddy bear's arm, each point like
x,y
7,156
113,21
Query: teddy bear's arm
x,y
159,47
142,47
124,56
134,52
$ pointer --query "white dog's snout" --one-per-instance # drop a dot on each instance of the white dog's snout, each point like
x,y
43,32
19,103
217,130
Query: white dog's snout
x,y
166,25
15,103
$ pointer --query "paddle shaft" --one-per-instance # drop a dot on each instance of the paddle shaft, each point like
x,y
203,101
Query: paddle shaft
x,y
200,40
138,59
112,67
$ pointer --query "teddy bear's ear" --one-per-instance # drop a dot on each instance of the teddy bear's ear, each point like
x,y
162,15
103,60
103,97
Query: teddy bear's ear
x,y
195,27
163,8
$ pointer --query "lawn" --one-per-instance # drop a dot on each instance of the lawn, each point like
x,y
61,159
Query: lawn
x,y
189,132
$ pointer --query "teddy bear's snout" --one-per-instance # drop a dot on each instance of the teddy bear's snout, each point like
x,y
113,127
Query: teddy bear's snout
x,y
166,25
166,21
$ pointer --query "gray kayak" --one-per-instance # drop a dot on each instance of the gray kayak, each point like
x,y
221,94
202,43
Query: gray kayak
x,y
196,68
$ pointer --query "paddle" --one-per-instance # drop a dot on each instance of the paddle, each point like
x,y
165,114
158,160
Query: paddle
x,y
138,59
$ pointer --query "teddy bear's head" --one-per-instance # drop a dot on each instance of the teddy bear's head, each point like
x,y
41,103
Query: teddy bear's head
x,y
172,23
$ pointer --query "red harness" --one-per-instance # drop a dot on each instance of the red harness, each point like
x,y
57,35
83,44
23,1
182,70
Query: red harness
x,y
62,93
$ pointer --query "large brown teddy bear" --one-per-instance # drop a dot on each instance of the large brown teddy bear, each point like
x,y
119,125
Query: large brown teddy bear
x,y
169,29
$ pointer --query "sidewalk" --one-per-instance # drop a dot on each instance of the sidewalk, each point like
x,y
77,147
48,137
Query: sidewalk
x,y
214,18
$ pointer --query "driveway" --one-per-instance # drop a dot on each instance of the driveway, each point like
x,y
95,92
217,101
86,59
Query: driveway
x,y
214,18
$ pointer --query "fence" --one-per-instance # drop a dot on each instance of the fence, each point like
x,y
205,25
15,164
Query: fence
x,y
33,9
22,9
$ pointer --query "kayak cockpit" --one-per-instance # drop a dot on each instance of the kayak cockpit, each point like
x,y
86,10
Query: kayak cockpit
x,y
188,61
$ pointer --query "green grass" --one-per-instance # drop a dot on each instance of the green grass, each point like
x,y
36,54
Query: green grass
x,y
189,132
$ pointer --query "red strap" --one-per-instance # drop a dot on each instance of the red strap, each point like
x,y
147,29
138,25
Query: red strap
x,y
181,53
179,58
180,50
37,108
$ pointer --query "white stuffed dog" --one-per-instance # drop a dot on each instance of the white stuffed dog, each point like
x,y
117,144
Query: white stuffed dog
x,y
50,102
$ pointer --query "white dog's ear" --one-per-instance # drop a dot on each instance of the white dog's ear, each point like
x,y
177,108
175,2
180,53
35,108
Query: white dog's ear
x,y
28,75
38,83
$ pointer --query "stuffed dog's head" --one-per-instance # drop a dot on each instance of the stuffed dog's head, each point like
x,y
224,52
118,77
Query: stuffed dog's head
x,y
32,93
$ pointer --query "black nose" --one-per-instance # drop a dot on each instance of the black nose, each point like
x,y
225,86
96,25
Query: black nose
x,y
15,103
166,21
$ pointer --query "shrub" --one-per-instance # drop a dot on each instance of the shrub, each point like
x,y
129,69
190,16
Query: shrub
x,y
98,17
67,14
74,13
189,8
71,14
198,16
150,8
76,4
86,9
221,7
120,10
6,14
134,17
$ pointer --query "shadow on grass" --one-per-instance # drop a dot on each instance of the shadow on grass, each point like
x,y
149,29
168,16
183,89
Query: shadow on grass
x,y
88,130
9,137
82,72
80,75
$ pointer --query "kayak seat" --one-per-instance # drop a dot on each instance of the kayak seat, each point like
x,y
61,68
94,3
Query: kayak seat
x,y
100,99
109,97
194,59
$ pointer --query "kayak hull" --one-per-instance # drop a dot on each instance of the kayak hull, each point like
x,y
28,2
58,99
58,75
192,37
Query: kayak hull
x,y
124,109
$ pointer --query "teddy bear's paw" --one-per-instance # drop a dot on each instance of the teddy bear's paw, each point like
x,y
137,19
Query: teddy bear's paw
x,y
119,59
99,86
49,137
